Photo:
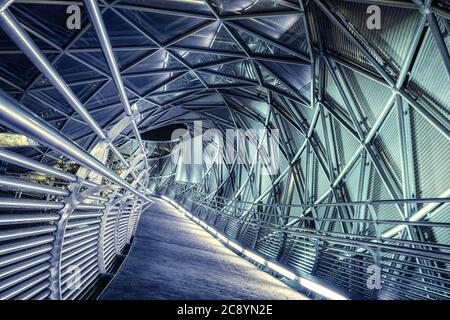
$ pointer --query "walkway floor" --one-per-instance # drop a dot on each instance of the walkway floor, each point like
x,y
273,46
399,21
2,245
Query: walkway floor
x,y
174,258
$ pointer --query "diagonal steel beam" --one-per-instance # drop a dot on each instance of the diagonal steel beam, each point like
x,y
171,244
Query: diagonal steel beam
x,y
336,17
11,27
103,37
4,4
18,118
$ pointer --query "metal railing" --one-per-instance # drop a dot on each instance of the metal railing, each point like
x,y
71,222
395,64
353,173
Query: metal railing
x,y
58,236
300,243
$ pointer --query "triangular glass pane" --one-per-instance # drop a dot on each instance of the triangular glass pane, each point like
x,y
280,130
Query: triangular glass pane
x,y
148,82
206,99
377,191
188,81
96,59
260,46
194,7
371,97
273,81
75,129
198,58
163,27
342,143
250,6
241,69
126,58
431,154
287,30
332,92
162,97
48,22
121,33
159,60
337,42
37,106
388,143
429,78
107,95
53,98
213,37
216,79
18,69
72,70
297,76
393,39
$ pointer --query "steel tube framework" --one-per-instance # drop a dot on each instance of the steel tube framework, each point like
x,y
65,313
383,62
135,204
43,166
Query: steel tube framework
x,y
363,139
23,121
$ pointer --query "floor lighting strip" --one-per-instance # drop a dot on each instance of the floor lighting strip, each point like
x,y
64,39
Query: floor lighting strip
x,y
306,283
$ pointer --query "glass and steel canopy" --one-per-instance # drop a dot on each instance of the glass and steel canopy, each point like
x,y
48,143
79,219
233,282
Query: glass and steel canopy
x,y
356,115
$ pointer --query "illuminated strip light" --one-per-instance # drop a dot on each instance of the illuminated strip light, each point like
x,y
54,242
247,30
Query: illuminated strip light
x,y
308,284
323,291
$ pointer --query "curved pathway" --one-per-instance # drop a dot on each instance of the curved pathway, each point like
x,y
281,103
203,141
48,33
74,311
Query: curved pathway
x,y
173,258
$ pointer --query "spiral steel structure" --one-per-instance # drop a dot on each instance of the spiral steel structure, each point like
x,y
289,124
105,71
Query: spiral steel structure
x,y
341,171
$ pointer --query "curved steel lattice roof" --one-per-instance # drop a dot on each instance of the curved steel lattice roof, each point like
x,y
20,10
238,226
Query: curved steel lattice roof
x,y
362,116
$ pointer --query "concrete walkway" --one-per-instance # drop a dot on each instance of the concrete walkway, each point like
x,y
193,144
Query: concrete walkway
x,y
174,258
